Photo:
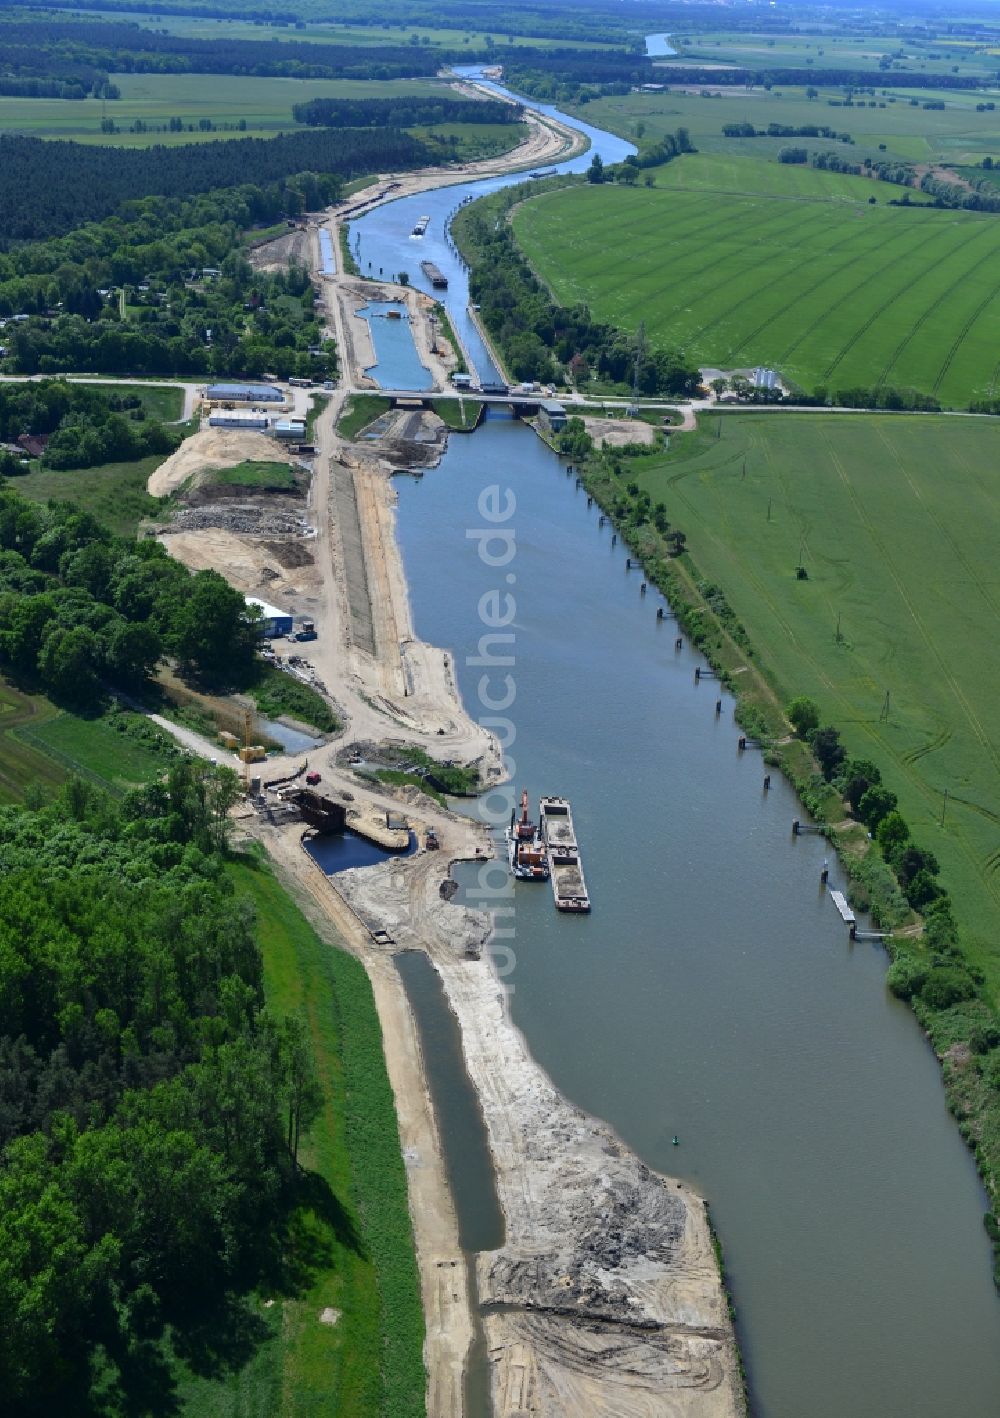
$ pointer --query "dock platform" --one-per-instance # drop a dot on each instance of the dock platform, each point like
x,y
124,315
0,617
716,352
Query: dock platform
x,y
840,901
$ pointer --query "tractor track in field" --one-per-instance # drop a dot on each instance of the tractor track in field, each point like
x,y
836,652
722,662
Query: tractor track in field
x,y
809,260
800,297
808,329
914,755
879,310
960,339
926,314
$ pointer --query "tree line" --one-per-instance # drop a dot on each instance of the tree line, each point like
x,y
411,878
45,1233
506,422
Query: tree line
x,y
831,78
784,130
152,1105
403,112
82,610
48,186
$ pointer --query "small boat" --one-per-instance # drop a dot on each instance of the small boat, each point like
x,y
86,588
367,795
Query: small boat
x,y
525,849
421,226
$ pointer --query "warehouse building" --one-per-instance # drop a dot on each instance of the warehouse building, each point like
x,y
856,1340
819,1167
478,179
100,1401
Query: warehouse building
x,y
238,418
274,622
245,393
289,428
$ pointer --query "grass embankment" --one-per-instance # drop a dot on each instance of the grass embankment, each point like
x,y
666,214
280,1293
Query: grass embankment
x,y
808,278
274,477
447,329
895,522
356,1240
461,415
359,411
276,693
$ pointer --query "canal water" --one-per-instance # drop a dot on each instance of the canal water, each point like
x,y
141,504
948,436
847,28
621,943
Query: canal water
x,y
397,364
713,993
658,46
339,851
328,261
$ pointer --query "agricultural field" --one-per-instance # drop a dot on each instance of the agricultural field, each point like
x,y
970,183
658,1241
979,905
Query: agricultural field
x,y
808,278
896,519
224,99
954,134
840,51
117,751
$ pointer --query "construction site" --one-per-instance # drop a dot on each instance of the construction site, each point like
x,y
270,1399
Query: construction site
x,y
601,1257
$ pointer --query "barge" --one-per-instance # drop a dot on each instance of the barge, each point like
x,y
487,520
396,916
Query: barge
x,y
435,275
526,852
422,224
569,888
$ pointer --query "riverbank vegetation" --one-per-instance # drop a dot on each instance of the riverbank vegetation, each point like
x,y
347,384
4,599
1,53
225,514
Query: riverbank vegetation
x,y
359,411
774,576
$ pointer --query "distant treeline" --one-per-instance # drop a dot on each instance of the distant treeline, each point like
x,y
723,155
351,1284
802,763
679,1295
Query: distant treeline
x,y
984,197
128,48
403,112
784,130
48,187
829,78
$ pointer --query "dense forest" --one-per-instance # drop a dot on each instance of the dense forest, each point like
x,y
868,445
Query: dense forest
x,y
82,610
44,45
407,111
71,183
534,333
151,1106
83,425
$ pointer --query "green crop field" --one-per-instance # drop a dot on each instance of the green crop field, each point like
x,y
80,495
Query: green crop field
x,y
897,518
840,51
956,133
814,281
265,105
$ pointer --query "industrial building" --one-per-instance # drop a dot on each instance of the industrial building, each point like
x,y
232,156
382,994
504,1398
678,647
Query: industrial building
x,y
245,393
552,415
238,418
274,622
289,428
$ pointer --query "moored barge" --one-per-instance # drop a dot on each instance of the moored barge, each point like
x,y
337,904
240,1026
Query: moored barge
x,y
569,887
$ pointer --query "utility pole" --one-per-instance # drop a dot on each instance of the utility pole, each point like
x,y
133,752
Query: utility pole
x,y
769,509
640,350
883,718
944,806
839,636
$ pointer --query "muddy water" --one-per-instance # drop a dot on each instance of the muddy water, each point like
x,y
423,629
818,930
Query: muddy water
x,y
713,994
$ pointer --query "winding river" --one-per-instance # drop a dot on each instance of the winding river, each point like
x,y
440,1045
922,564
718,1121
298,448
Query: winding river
x,y
713,995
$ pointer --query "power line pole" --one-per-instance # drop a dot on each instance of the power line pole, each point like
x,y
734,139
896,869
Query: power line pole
x,y
640,350
944,806
883,718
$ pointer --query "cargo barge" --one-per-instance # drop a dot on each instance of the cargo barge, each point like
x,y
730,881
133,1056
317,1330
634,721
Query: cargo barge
x,y
526,853
422,224
569,889
435,275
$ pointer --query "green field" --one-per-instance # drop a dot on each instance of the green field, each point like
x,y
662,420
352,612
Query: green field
x,y
955,134
120,751
251,474
897,518
114,492
355,1242
265,104
813,280
837,51
359,411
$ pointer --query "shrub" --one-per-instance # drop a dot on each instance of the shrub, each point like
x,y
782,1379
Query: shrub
x,y
946,985
876,804
803,715
907,975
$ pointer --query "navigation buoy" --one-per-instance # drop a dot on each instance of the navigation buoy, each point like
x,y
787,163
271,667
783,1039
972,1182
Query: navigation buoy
x,y
676,1140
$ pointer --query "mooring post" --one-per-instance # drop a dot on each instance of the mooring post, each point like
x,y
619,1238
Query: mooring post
x,y
718,707
767,782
